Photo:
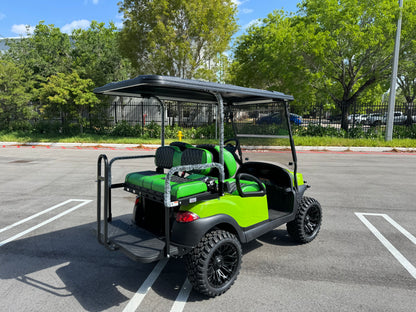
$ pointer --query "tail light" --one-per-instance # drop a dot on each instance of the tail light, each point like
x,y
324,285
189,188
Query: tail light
x,y
186,216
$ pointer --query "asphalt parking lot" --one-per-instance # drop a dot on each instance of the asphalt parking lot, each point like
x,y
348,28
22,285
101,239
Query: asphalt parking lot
x,y
364,258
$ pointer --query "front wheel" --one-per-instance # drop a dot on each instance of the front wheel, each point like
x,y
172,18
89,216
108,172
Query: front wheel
x,y
308,220
213,265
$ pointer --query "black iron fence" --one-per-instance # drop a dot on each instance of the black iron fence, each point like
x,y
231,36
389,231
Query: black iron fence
x,y
144,111
361,116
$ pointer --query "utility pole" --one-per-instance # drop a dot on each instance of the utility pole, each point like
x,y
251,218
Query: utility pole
x,y
392,98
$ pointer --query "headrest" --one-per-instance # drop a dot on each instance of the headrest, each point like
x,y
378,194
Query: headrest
x,y
168,157
181,145
193,156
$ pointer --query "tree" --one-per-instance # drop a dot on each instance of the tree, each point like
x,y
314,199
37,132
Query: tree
x,y
340,48
348,45
44,53
269,57
95,54
14,95
69,97
175,37
407,60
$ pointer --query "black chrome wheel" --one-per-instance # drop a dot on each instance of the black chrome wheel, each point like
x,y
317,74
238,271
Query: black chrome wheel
x,y
214,264
308,221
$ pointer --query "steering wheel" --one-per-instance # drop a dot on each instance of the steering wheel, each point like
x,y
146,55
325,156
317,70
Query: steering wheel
x,y
234,149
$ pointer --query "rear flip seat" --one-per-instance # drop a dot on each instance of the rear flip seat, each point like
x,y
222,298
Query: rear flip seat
x,y
168,157
198,181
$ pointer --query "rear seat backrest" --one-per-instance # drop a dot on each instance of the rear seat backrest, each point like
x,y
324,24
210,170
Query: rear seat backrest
x,y
230,165
167,157
194,156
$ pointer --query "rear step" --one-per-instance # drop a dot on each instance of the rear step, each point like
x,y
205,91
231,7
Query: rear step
x,y
137,243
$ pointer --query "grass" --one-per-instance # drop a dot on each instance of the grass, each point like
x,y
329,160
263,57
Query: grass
x,y
25,137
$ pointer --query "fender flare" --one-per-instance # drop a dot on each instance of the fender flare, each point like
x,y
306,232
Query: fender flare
x,y
189,234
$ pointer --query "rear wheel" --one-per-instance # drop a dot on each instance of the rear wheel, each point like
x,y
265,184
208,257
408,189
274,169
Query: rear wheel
x,y
308,220
213,265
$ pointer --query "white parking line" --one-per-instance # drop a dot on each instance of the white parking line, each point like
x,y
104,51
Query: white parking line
x,y
182,297
39,214
403,261
142,291
84,202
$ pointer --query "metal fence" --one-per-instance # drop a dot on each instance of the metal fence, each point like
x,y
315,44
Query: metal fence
x,y
144,111
362,116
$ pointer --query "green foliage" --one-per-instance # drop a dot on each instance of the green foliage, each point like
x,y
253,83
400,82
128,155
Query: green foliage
x,y
402,132
42,54
269,57
335,49
14,97
175,37
68,97
95,54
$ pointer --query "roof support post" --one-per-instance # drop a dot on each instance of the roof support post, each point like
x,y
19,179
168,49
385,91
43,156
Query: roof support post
x,y
221,115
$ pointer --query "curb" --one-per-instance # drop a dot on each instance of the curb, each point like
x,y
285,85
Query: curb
x,y
246,148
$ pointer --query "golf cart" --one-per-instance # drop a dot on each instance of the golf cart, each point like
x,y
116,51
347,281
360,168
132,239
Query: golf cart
x,y
202,202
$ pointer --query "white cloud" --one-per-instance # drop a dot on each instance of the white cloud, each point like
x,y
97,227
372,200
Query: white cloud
x,y
246,11
95,1
252,23
2,15
238,2
22,29
68,28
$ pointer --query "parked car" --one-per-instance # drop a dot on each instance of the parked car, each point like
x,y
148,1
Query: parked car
x,y
398,119
357,118
295,119
274,118
375,119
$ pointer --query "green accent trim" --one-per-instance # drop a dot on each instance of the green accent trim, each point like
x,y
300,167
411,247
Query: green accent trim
x,y
246,211
177,157
206,159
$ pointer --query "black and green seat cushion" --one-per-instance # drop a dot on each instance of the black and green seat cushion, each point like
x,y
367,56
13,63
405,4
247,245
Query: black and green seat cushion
x,y
180,187
182,145
166,157
196,156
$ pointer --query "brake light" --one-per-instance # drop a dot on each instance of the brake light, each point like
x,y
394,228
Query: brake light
x,y
137,201
186,216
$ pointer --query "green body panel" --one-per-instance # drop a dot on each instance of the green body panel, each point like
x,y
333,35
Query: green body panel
x,y
246,211
299,177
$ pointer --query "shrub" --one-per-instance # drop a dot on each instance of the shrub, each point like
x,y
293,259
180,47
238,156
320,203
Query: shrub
x,y
124,129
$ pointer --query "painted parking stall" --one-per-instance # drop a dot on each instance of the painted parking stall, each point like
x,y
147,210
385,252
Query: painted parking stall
x,y
78,204
365,218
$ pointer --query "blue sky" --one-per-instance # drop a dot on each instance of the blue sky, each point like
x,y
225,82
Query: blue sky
x,y
70,14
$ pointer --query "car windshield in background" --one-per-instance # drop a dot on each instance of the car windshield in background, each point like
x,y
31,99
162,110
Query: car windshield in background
x,y
261,123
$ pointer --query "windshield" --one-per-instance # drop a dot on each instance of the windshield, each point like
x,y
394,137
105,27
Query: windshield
x,y
262,125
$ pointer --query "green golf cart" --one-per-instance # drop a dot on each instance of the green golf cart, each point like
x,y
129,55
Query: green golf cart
x,y
202,202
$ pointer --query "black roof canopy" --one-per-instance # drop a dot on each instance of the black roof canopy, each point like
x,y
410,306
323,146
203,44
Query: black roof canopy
x,y
173,88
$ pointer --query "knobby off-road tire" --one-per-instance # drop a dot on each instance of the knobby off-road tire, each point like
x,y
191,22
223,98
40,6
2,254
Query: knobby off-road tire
x,y
308,221
213,265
